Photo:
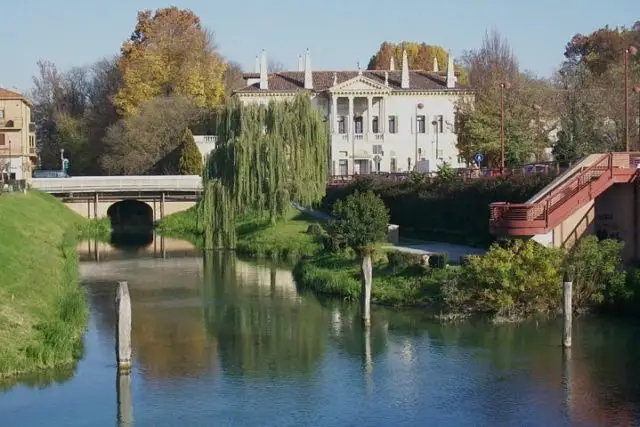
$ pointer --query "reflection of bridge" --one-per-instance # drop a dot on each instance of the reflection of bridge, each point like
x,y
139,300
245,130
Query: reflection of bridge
x,y
159,247
93,196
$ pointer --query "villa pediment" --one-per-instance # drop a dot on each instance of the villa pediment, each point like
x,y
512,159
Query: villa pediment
x,y
359,84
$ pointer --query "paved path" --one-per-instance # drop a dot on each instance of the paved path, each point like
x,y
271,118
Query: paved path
x,y
453,251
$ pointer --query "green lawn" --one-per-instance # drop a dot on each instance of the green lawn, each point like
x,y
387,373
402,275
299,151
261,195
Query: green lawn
x,y
257,237
42,308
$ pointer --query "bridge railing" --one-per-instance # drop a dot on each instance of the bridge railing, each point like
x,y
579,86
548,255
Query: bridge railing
x,y
119,183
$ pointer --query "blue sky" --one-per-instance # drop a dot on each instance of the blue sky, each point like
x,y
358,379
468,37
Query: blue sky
x,y
339,32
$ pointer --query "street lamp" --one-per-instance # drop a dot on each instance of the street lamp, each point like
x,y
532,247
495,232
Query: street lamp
x,y
62,159
636,89
629,50
503,86
419,106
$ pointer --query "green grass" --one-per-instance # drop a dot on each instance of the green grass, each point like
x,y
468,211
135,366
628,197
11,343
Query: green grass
x,y
285,239
43,310
338,275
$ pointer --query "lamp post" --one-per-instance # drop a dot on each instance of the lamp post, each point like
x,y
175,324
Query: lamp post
x,y
503,86
636,90
629,50
419,106
62,159
537,109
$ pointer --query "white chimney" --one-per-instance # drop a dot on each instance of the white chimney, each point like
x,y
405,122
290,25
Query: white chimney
x,y
436,69
308,78
404,84
386,78
264,77
257,67
300,63
392,64
451,77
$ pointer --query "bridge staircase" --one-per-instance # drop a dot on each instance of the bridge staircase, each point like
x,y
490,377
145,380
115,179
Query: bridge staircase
x,y
564,196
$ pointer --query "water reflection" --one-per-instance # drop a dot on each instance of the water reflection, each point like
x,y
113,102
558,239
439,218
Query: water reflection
x,y
220,338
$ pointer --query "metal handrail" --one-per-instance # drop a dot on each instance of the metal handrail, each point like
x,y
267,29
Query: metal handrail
x,y
132,183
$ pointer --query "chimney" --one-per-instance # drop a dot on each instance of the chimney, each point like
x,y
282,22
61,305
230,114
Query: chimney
x,y
451,77
386,78
257,67
300,63
308,78
335,79
405,71
392,64
264,77
436,69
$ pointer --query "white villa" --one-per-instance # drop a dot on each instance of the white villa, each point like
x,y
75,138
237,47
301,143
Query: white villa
x,y
379,121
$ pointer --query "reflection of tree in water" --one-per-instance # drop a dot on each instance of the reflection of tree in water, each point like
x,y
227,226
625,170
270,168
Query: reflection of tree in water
x,y
168,335
260,331
40,379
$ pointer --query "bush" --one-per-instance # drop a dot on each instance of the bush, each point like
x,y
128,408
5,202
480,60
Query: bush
x,y
401,260
454,210
597,273
190,157
517,280
316,230
438,260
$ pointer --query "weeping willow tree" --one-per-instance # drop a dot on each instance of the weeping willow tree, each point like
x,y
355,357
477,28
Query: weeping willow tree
x,y
266,158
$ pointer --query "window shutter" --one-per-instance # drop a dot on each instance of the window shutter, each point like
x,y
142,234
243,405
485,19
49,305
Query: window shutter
x,y
397,124
1,138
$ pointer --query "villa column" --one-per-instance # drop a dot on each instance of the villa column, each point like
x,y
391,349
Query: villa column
x,y
350,133
369,108
334,114
383,115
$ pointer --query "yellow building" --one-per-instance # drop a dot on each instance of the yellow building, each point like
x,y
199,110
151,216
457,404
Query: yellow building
x,y
17,136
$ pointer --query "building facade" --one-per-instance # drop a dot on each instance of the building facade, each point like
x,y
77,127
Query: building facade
x,y
378,120
17,136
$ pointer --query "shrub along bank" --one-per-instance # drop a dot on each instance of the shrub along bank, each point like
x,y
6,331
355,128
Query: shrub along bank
x,y
511,281
443,209
43,311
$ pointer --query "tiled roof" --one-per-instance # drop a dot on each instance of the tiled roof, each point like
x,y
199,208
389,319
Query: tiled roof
x,y
9,94
291,81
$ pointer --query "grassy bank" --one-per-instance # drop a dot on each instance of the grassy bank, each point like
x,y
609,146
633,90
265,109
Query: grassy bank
x,y
286,239
42,309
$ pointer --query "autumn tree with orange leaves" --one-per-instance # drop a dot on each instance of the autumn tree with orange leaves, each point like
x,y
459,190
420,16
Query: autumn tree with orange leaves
x,y
169,53
419,55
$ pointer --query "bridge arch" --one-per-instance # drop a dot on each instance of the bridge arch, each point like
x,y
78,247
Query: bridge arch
x,y
130,214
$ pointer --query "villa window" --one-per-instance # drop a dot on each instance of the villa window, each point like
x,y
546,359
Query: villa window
x,y
1,138
393,124
394,165
1,114
343,167
341,125
420,124
357,122
375,125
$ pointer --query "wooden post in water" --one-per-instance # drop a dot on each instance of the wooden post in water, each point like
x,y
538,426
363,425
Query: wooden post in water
x,y
124,404
567,309
365,290
123,327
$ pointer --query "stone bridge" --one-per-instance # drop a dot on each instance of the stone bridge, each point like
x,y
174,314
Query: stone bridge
x,y
138,199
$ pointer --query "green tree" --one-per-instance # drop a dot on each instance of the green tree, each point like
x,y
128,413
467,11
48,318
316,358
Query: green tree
x,y
478,120
360,221
190,156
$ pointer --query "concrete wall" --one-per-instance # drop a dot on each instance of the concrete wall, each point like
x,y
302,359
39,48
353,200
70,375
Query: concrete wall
x,y
613,214
86,207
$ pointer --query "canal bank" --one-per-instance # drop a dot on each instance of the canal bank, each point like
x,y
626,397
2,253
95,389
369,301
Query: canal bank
x,y
43,311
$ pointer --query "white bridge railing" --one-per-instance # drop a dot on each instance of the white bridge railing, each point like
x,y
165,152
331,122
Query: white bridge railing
x,y
143,183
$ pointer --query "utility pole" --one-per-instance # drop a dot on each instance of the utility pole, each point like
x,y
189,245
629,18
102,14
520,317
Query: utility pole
x,y
630,50
503,86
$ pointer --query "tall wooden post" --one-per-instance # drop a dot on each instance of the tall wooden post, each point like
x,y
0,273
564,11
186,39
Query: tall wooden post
x,y
567,309
162,205
95,206
123,327
365,290
123,394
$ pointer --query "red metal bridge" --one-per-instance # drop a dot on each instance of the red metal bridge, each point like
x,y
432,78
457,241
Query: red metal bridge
x,y
565,195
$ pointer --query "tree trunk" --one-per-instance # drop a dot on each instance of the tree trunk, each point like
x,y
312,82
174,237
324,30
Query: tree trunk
x,y
365,290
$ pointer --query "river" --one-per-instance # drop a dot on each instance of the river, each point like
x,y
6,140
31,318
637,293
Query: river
x,y
223,341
